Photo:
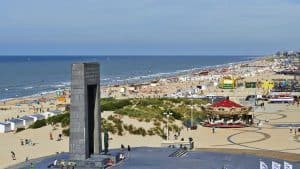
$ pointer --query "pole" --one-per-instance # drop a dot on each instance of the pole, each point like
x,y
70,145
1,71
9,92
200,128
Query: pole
x,y
168,114
167,127
192,113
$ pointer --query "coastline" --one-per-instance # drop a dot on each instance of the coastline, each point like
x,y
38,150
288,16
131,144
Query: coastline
x,y
137,79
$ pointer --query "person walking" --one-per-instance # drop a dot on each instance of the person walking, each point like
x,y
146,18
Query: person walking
x,y
295,131
291,129
128,148
59,137
53,164
51,136
13,155
213,130
31,166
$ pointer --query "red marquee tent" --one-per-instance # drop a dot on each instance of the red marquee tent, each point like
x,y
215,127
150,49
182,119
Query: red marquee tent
x,y
226,103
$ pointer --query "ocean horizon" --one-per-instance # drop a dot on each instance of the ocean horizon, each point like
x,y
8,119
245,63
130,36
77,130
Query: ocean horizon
x,y
23,76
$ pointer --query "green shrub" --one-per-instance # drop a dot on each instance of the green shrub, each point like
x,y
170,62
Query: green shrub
x,y
66,132
157,123
120,129
38,124
117,127
130,128
61,118
176,115
140,131
110,128
65,122
111,104
151,132
175,128
158,131
20,129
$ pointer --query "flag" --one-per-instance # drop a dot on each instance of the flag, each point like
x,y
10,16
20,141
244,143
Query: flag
x,y
263,165
287,165
275,165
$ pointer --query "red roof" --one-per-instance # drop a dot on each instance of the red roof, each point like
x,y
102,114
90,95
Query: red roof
x,y
226,103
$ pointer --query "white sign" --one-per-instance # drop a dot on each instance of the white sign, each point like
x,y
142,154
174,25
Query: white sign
x,y
263,165
287,165
275,165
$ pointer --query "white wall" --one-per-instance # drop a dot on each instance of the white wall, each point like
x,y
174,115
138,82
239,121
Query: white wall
x,y
2,128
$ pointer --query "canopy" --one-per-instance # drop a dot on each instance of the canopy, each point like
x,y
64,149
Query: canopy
x,y
226,103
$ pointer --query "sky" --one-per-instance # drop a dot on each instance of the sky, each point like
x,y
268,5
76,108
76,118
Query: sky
x,y
148,27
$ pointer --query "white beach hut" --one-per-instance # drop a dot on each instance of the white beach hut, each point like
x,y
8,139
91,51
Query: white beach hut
x,y
27,120
48,114
122,90
56,112
16,123
5,127
37,117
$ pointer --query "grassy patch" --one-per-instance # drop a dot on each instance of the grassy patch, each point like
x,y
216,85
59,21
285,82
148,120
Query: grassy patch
x,y
38,124
64,119
66,132
20,129
111,104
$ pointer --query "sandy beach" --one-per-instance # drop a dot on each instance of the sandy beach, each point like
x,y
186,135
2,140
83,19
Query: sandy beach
x,y
268,138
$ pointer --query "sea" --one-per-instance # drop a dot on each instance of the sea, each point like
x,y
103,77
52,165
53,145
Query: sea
x,y
22,76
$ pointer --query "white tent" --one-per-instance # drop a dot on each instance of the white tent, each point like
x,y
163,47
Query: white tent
x,y
4,127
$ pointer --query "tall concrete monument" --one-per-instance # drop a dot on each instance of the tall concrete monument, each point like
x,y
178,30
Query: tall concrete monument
x,y
85,116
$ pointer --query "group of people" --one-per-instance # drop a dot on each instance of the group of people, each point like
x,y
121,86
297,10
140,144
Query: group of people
x,y
123,147
27,142
176,135
295,130
58,139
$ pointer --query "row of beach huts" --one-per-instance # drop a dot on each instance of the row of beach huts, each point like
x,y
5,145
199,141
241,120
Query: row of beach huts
x,y
25,121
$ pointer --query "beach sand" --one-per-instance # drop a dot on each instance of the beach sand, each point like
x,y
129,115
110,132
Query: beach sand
x,y
43,145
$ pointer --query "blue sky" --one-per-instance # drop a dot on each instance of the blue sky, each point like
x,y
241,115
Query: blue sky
x,y
98,27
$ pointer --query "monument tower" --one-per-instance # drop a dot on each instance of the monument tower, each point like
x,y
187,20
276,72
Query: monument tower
x,y
85,116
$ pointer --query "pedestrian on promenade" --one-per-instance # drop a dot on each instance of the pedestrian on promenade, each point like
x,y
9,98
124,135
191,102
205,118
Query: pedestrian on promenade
x,y
213,130
31,166
295,131
291,129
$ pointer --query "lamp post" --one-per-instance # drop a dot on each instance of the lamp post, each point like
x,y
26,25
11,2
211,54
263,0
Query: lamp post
x,y
168,114
192,107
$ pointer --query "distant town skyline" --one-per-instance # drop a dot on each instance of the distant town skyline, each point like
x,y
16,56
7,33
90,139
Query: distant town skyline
x,y
149,27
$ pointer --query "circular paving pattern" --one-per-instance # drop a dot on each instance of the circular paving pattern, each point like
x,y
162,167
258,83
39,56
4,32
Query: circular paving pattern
x,y
265,137
280,116
231,138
